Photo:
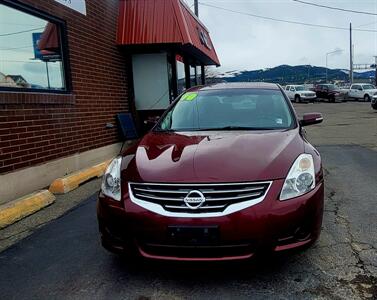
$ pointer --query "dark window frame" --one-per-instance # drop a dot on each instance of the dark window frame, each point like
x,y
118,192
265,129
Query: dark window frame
x,y
63,39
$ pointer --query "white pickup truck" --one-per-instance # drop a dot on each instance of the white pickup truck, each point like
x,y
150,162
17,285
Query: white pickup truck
x,y
364,91
299,93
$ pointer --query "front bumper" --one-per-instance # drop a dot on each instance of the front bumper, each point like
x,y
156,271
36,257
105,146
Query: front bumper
x,y
269,225
374,102
308,98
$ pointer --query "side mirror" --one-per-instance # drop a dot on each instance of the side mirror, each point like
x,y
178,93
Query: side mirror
x,y
311,118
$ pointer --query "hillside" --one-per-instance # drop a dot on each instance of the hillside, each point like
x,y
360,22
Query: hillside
x,y
286,74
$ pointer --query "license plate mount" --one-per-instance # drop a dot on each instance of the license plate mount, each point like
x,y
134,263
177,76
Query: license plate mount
x,y
194,235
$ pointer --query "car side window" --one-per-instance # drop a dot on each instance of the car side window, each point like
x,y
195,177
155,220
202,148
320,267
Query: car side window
x,y
287,87
353,87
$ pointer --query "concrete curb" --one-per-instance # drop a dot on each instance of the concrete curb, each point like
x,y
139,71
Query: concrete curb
x,y
24,206
70,182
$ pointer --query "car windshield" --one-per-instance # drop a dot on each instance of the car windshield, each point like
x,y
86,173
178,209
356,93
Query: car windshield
x,y
332,87
229,109
368,87
300,88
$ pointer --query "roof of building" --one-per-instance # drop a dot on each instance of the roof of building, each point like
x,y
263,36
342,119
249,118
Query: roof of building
x,y
165,22
16,78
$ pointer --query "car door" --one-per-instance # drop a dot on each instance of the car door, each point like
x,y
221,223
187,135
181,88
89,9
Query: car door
x,y
351,92
288,92
359,91
292,91
325,92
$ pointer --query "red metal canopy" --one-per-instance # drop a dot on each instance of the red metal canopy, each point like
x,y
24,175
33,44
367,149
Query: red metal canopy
x,y
50,38
165,22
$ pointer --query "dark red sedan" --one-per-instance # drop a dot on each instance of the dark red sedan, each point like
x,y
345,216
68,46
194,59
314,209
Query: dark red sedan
x,y
226,173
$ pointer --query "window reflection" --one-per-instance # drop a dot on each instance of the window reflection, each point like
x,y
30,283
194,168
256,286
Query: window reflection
x,y
180,75
30,51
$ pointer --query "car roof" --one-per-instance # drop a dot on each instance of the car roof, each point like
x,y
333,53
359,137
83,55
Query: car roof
x,y
237,85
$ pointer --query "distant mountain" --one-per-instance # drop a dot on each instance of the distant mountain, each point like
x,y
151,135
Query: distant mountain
x,y
286,74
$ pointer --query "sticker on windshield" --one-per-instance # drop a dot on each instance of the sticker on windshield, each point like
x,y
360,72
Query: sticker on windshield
x,y
279,121
189,96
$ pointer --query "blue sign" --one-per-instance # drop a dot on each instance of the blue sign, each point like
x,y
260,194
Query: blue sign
x,y
45,55
37,51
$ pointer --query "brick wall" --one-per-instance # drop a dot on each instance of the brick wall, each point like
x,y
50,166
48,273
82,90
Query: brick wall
x,y
35,128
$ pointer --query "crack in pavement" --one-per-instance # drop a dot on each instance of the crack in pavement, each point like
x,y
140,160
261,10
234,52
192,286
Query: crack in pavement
x,y
364,283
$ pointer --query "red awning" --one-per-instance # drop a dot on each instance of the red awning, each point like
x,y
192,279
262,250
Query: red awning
x,y
165,22
50,38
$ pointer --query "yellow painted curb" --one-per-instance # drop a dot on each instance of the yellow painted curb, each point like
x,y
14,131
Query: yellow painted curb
x,y
24,206
70,182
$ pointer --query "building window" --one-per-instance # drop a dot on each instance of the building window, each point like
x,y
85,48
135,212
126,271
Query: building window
x,y
193,76
31,55
199,75
181,78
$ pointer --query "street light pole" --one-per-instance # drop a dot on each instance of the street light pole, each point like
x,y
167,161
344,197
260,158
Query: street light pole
x,y
326,65
375,65
331,52
196,5
351,56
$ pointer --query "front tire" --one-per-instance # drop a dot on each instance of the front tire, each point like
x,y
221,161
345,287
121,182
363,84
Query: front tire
x,y
366,98
297,99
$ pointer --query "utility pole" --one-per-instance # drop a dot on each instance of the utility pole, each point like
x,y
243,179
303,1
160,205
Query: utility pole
x,y
196,4
351,56
375,74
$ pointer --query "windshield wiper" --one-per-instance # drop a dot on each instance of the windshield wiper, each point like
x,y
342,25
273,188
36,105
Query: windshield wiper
x,y
236,128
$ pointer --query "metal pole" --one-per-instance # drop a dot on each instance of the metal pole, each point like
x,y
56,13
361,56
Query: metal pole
x,y
48,76
351,56
204,74
196,4
326,66
375,62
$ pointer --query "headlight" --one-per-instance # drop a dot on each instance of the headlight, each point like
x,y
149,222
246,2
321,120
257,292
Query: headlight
x,y
111,179
300,179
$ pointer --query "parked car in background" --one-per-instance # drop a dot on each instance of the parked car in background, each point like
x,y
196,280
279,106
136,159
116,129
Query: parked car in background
x,y
330,92
227,172
298,93
363,91
374,102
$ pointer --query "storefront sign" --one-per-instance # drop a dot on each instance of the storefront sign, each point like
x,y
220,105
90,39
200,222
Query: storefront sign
x,y
77,5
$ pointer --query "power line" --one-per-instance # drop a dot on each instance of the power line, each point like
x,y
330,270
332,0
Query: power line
x,y
367,24
337,8
18,32
15,48
282,20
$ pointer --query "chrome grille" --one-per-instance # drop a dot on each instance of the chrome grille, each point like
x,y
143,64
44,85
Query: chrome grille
x,y
218,196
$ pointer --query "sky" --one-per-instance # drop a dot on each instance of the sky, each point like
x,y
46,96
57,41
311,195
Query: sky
x,y
249,43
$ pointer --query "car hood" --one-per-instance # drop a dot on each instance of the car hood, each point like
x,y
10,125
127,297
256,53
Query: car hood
x,y
213,156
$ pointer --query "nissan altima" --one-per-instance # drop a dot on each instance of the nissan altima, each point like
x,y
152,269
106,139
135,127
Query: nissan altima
x,y
226,172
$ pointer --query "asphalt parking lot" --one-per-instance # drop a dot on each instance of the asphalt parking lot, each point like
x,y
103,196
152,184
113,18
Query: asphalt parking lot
x,y
63,258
